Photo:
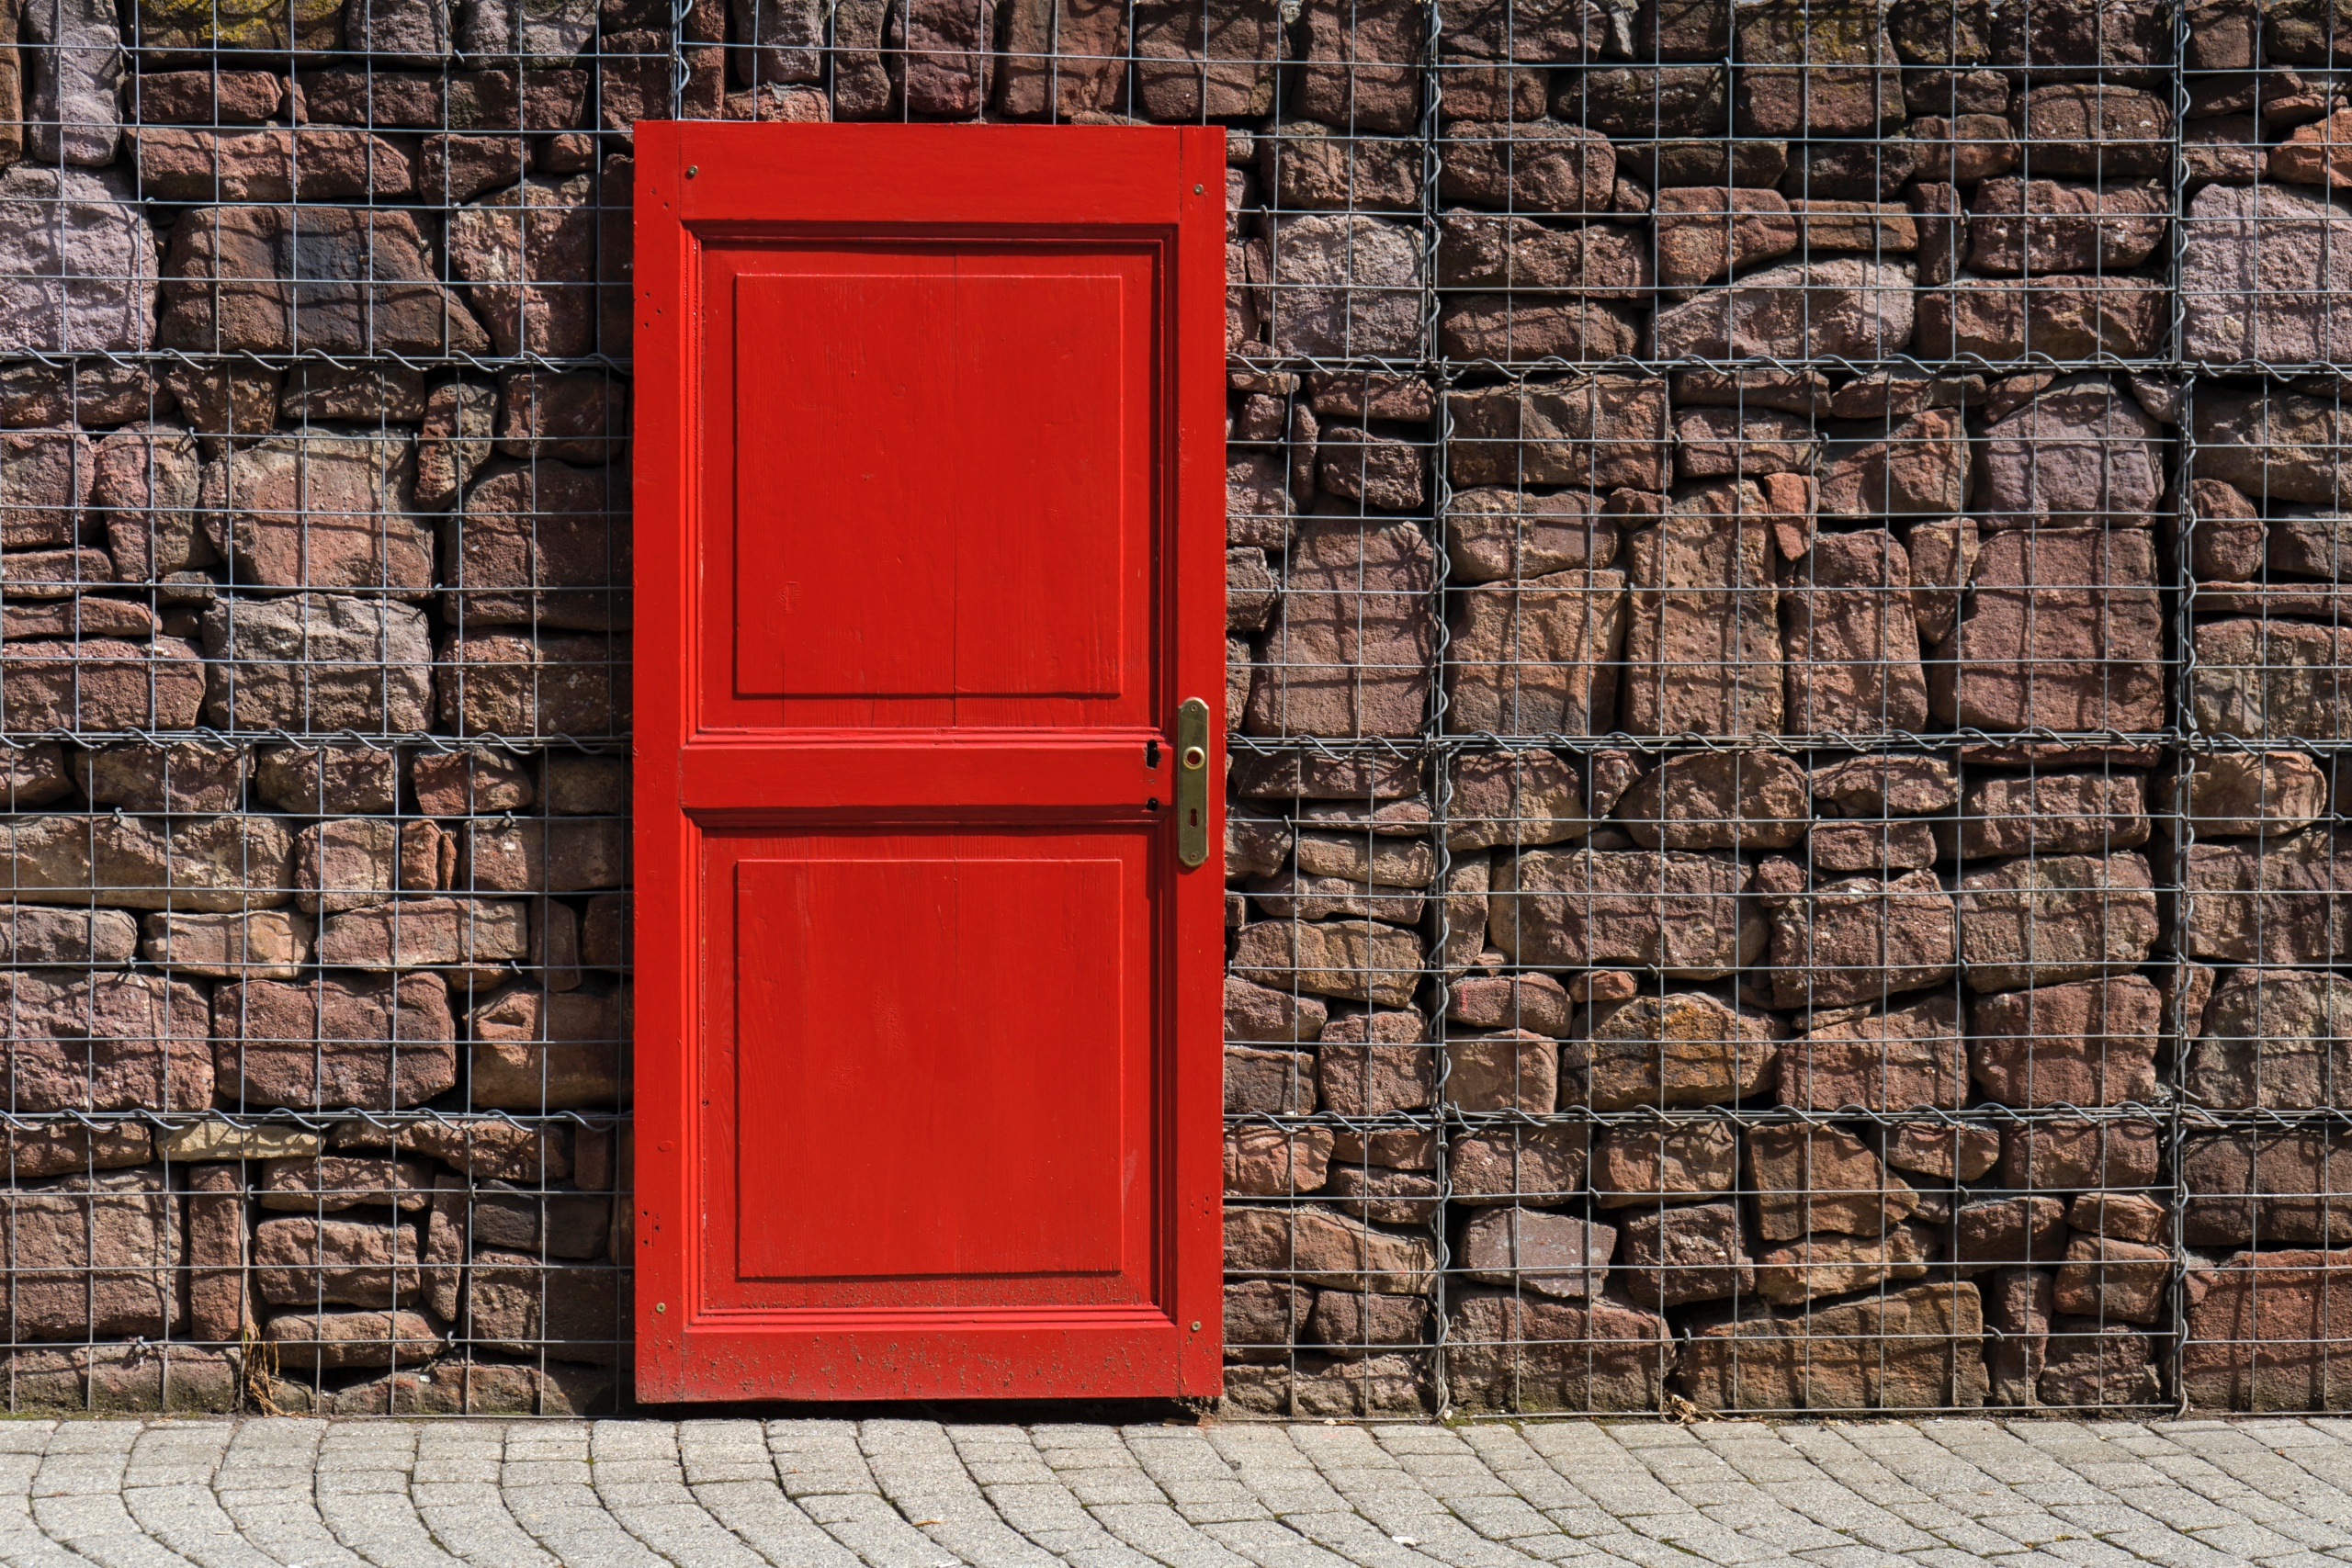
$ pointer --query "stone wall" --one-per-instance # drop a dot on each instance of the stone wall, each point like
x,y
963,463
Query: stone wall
x,y
1784,676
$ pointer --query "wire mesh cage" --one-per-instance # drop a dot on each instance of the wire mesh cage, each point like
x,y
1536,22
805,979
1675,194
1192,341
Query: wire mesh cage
x,y
1783,686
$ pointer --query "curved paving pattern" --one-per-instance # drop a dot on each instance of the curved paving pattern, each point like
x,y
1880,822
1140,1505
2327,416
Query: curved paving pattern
x,y
890,1493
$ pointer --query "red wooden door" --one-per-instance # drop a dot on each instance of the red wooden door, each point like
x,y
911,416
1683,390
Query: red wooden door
x,y
930,464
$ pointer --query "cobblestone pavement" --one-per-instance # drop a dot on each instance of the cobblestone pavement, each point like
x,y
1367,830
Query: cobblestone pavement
x,y
891,1494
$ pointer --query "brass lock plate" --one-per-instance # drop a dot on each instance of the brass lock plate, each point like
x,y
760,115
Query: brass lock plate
x,y
1192,782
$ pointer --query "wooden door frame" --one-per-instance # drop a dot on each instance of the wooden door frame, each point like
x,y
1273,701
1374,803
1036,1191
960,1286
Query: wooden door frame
x,y
902,181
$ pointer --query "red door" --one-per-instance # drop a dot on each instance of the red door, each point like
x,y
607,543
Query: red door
x,y
930,465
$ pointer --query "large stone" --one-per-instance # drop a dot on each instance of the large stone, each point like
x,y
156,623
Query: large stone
x,y
1514,1070
2044,226
2096,132
511,683
582,854
2089,1042
344,280
1309,1245
104,1042
2279,1040
144,482
1345,285
1512,329
1705,232
2008,1232
1535,656
2284,1184
1350,649
540,545
1678,911
1815,68
2062,316
536,1051
352,863
92,1256
1593,432
1361,959
1852,641
1855,940
370,1043
2276,444
1691,1252
1263,1318
477,934
76,939
2047,814
304,1259
1680,1048
1205,61
1363,64
1916,465
2082,454
181,776
1920,1348
1496,533
255,944
207,864
2071,1157
318,509
2261,276
1885,786
1832,1265
2262,679
1718,800
1538,165
1529,1249
45,482
2046,919
77,264
1501,251
1062,57
1843,307
524,252
2265,1332
1822,1178
1703,645
77,109
332,1341
1639,1169
2239,794
1897,1058
2063,631
1354,1322
1506,1351
1513,799
2113,1281
317,661
316,162
190,32
100,684
1275,1161
1540,1167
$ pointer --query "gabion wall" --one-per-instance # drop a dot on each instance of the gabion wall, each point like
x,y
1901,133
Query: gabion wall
x,y
1784,645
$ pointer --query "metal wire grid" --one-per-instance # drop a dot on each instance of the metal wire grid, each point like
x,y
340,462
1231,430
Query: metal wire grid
x,y
1409,293
314,593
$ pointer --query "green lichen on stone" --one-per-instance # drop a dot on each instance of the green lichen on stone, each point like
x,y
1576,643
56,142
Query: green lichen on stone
x,y
180,28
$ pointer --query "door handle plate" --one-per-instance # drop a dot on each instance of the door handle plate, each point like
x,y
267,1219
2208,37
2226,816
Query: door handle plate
x,y
1192,782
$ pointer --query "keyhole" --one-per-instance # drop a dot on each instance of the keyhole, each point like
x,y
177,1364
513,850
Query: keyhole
x,y
1196,815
